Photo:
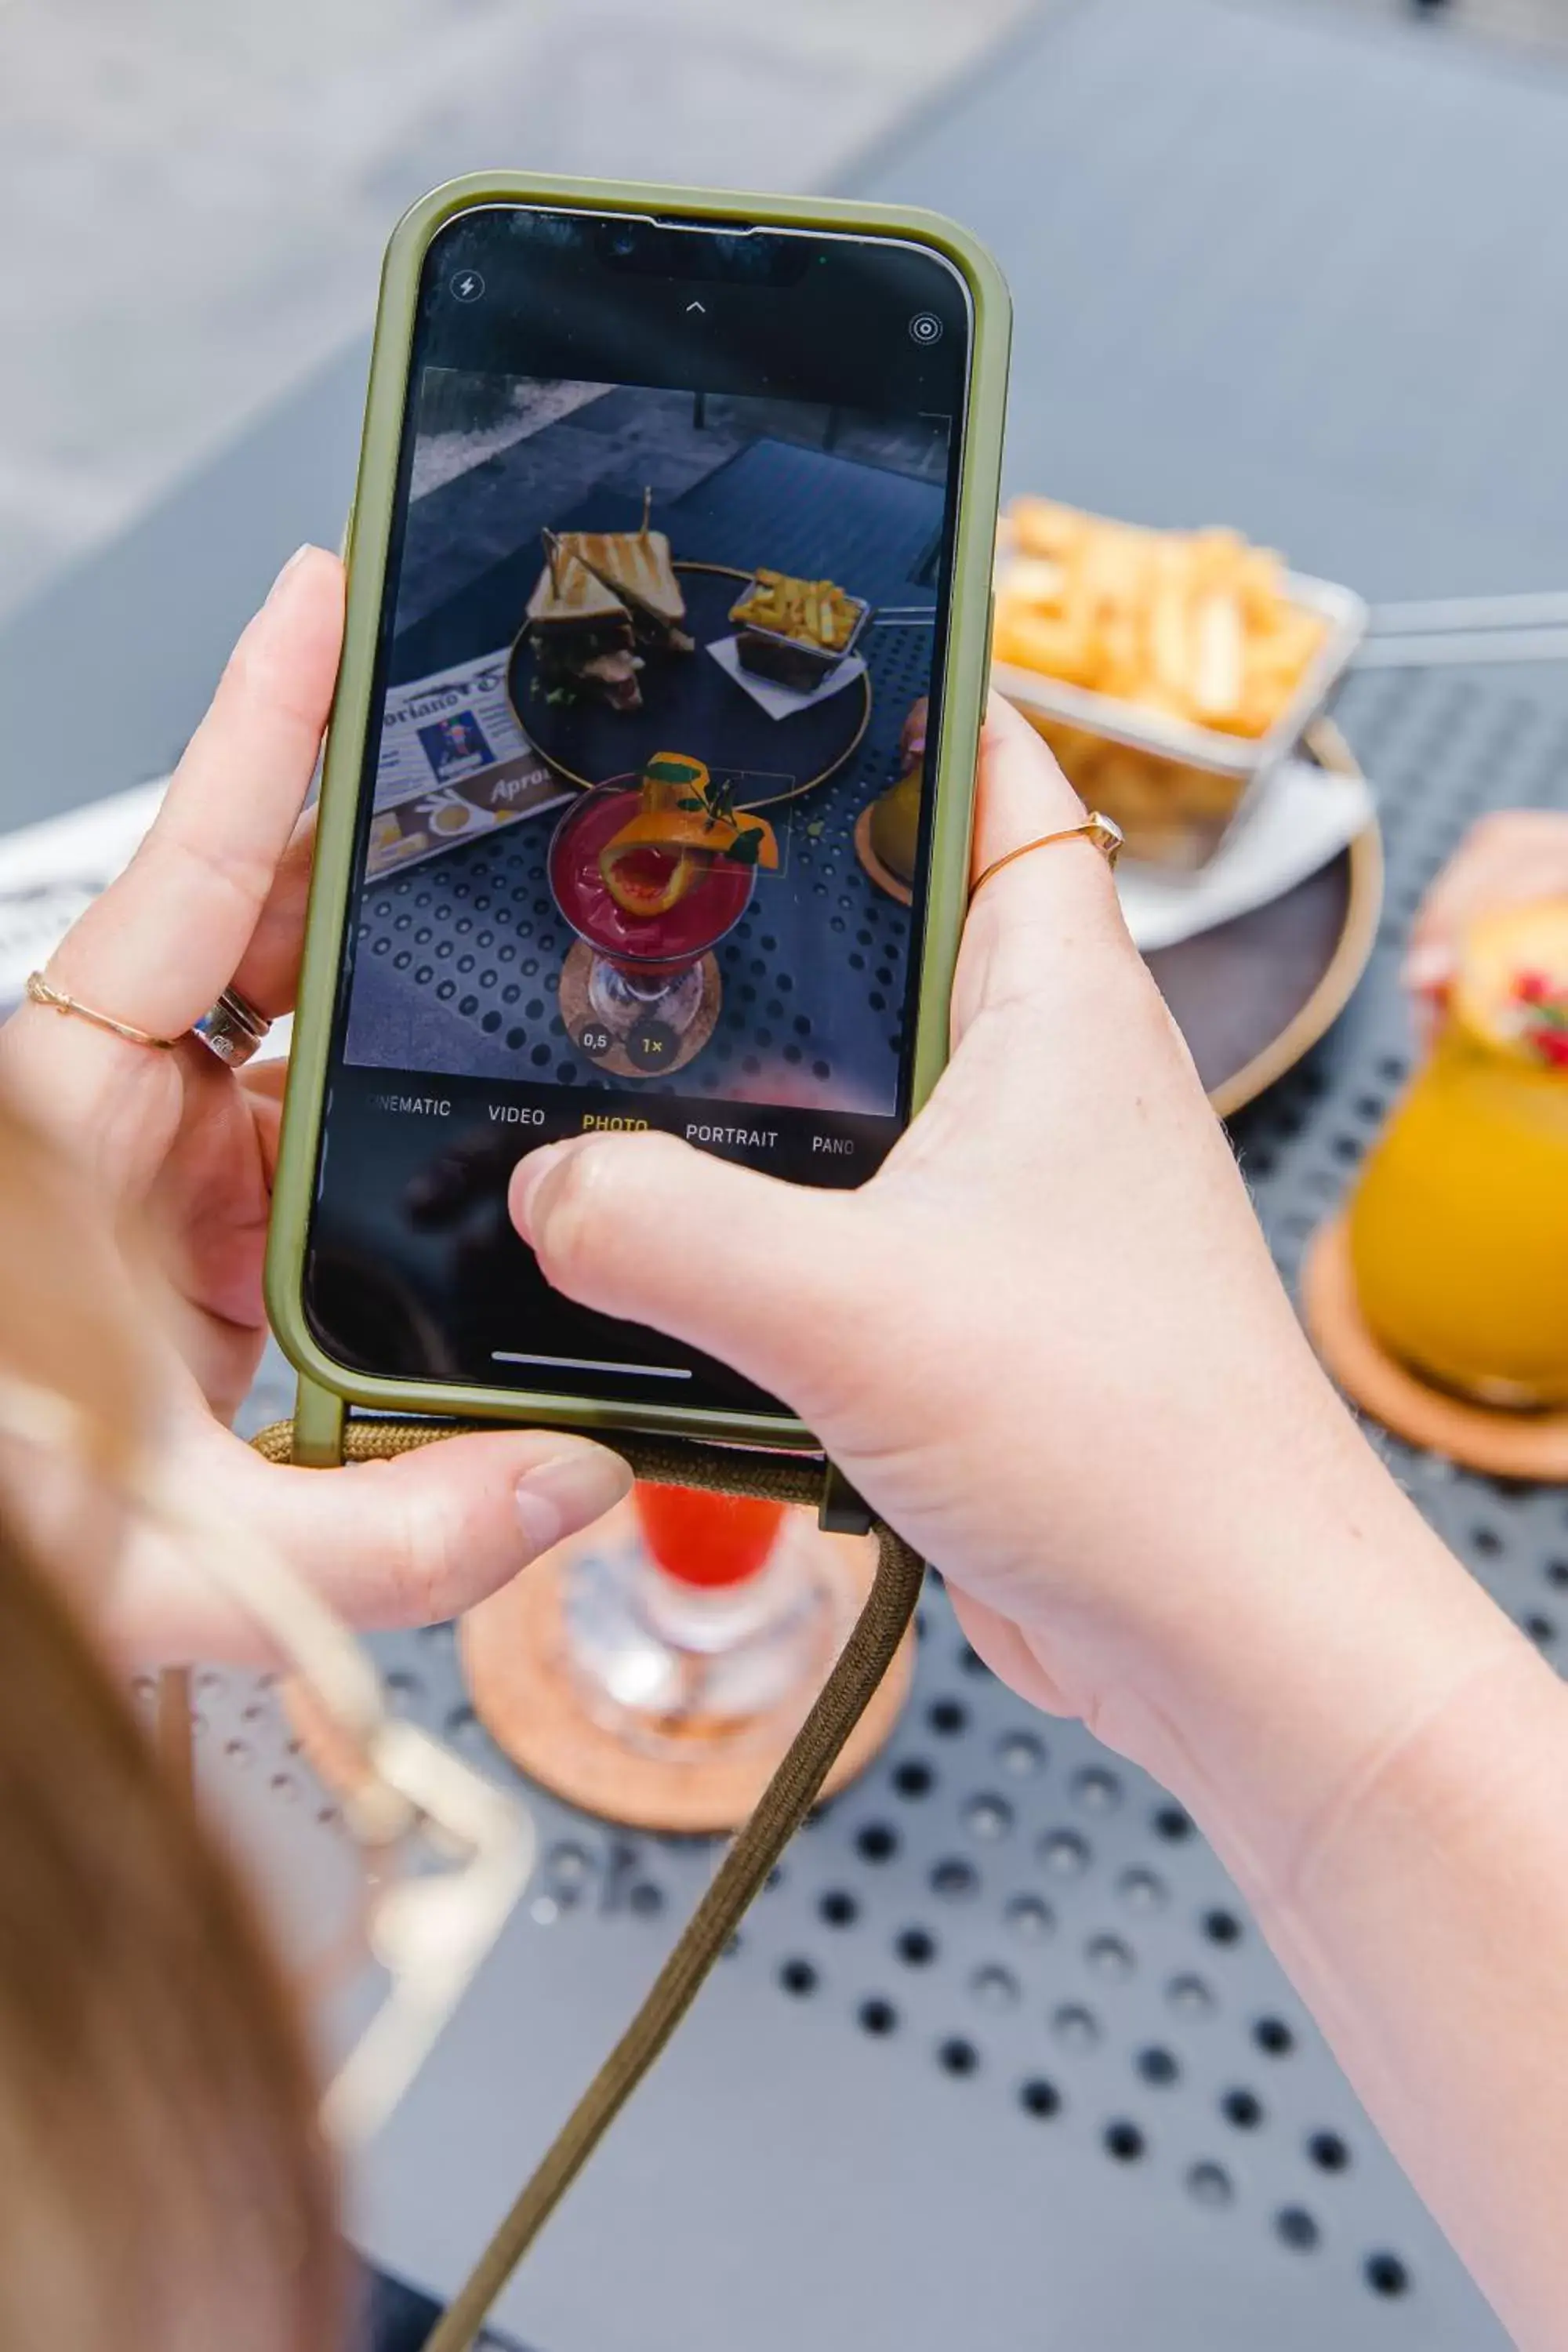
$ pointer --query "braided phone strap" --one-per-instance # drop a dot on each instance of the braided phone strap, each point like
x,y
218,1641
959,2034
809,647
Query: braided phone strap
x,y
782,1807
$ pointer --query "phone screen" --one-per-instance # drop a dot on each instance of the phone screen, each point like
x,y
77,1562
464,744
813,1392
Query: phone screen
x,y
643,821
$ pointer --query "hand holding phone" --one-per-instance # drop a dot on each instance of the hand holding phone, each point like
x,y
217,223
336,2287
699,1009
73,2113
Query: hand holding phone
x,y
674,512
1046,1341
158,1180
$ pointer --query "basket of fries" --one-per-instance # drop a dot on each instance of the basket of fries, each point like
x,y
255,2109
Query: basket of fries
x,y
1169,671
797,632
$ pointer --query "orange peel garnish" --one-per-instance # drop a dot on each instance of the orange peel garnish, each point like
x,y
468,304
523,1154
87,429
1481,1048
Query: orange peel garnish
x,y
694,830
678,816
634,891
670,777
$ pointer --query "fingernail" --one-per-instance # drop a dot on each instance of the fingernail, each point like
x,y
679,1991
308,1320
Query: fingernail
x,y
569,1492
292,566
528,1177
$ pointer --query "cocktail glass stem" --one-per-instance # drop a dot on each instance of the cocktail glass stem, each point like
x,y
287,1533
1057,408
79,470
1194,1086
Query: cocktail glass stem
x,y
620,996
682,1663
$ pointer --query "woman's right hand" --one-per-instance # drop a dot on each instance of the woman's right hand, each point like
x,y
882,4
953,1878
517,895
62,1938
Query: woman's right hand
x,y
1046,1341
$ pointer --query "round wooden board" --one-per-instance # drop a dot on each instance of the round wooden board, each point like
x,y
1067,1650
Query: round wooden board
x,y
691,704
1531,1446
872,864
511,1648
1252,996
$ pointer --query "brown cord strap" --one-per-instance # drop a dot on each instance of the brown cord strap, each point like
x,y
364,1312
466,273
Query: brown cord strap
x,y
781,1808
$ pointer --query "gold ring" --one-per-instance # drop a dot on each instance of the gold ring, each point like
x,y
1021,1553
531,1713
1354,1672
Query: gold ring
x,y
232,1029
1103,832
40,990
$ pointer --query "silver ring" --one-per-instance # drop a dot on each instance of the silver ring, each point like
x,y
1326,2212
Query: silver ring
x,y
233,1030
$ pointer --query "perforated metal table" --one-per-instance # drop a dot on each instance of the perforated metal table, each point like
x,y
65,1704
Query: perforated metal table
x,y
1000,2061
426,996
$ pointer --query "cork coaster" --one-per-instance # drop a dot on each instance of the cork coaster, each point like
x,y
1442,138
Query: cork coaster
x,y
1499,1445
882,876
512,1651
664,1052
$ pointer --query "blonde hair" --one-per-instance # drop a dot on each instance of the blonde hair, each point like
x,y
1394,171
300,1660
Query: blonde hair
x,y
163,2183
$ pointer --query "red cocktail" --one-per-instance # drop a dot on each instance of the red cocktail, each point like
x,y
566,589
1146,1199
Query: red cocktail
x,y
675,902
697,1620
709,1540
650,877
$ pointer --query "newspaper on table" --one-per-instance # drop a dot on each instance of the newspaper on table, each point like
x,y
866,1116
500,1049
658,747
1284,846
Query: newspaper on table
x,y
52,871
453,762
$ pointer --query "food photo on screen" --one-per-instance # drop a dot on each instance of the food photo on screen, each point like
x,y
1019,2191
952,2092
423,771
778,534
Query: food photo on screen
x,y
647,791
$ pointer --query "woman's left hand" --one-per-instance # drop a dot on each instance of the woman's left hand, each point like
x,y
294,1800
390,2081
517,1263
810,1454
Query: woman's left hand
x,y
183,1148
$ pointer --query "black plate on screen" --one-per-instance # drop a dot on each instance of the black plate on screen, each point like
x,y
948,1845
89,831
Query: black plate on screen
x,y
691,704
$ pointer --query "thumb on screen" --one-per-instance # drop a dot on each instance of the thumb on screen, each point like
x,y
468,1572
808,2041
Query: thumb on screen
x,y
769,1278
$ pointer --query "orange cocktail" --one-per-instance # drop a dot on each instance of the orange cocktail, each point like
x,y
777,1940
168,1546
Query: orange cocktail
x,y
1458,1229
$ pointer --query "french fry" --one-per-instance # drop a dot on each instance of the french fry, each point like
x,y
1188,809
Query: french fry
x,y
1036,641
814,612
1170,652
1043,527
1195,624
1217,671
1038,580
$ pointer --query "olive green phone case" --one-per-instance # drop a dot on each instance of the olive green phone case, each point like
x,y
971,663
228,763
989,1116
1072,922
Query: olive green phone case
x,y
964,700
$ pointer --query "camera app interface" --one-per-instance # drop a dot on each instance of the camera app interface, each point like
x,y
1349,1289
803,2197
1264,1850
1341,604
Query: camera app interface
x,y
643,811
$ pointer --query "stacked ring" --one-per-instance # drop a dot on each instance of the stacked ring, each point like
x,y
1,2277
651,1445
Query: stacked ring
x,y
233,1029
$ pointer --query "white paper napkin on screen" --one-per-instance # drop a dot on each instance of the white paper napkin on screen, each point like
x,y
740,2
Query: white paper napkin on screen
x,y
1303,816
783,701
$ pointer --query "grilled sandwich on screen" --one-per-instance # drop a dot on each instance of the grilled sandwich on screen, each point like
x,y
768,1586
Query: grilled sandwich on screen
x,y
582,632
605,600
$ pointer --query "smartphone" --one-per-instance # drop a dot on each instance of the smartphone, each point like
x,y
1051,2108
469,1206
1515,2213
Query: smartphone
x,y
647,793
